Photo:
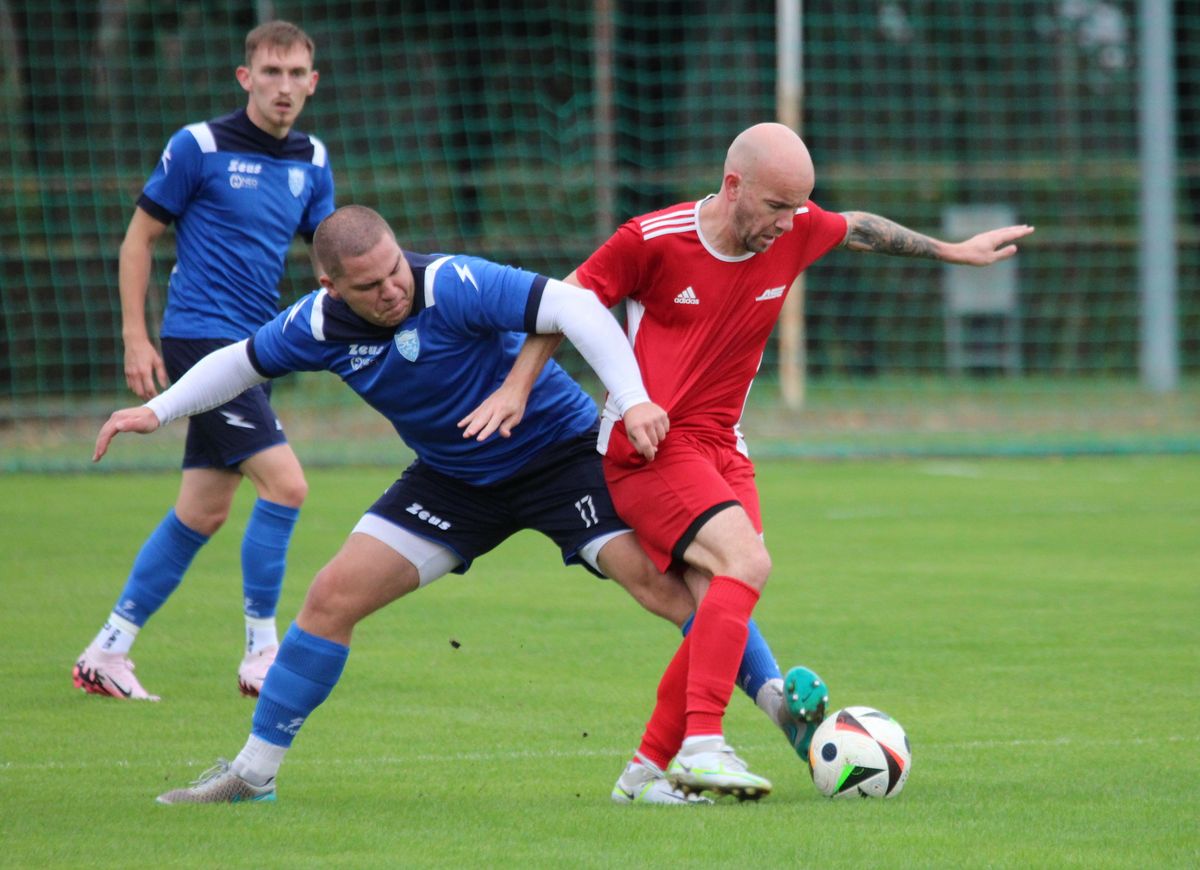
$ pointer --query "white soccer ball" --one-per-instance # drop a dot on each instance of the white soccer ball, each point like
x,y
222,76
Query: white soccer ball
x,y
860,752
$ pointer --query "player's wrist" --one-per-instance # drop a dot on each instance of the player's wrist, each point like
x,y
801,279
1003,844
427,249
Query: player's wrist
x,y
156,407
630,399
135,336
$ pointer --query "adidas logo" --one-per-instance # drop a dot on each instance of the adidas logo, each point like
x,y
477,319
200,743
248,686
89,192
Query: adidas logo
x,y
687,297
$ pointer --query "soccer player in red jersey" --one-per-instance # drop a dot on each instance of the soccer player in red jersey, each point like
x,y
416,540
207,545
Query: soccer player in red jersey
x,y
703,284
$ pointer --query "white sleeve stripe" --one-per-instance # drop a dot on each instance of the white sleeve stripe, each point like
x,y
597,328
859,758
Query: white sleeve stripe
x,y
802,210
430,274
683,214
316,319
319,152
203,136
688,228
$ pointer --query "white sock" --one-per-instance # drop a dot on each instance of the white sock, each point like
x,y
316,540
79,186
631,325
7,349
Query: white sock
x,y
770,700
260,634
689,742
258,762
117,636
645,762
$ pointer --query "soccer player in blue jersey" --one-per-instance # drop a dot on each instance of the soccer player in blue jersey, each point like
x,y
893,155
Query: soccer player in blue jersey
x,y
238,189
424,339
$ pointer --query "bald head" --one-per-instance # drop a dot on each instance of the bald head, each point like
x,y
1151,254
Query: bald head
x,y
768,176
771,154
351,231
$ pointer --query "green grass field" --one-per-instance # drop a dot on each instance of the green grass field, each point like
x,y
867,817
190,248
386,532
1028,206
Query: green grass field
x,y
1034,624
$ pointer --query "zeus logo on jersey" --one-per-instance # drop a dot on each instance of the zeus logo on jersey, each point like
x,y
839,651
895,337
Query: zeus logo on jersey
x,y
243,174
418,511
362,355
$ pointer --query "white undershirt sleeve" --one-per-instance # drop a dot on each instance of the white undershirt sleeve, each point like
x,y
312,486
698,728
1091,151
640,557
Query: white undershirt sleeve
x,y
217,378
578,314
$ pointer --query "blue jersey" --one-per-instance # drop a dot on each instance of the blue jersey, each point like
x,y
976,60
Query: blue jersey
x,y
453,350
237,196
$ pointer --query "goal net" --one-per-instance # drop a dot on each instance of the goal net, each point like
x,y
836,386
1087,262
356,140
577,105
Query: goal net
x,y
527,131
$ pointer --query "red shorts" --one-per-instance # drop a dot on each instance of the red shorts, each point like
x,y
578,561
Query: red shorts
x,y
693,476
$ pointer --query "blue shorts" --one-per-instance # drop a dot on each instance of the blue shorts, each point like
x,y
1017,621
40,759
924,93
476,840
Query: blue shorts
x,y
560,493
226,436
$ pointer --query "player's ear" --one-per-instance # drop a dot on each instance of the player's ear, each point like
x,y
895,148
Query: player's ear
x,y
327,283
312,83
243,77
732,185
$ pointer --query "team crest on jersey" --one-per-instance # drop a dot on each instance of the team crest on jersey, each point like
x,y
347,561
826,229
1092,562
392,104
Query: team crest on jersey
x,y
296,181
409,344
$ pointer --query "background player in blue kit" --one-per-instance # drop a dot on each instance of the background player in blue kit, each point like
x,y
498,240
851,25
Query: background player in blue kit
x,y
238,189
424,339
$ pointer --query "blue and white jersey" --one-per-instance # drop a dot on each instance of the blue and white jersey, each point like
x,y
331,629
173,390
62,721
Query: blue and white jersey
x,y
453,350
237,196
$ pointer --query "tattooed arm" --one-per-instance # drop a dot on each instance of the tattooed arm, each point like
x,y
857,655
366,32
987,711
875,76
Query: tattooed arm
x,y
870,232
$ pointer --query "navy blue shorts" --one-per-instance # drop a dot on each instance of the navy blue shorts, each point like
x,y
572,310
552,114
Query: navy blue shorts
x,y
226,436
560,493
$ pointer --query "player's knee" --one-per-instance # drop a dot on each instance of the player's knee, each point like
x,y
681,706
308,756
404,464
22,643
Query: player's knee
x,y
663,597
289,490
329,603
752,567
292,492
205,520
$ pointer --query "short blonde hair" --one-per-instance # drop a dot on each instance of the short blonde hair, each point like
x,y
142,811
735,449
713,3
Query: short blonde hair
x,y
350,231
281,34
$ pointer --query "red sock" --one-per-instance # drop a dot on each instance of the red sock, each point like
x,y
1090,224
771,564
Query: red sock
x,y
664,731
718,638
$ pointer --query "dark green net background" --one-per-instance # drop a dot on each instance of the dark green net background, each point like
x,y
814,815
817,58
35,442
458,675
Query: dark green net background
x,y
480,128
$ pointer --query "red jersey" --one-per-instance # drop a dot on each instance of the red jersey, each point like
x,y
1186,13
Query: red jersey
x,y
699,320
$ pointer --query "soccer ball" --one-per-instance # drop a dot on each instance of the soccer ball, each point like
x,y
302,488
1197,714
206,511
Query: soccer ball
x,y
859,751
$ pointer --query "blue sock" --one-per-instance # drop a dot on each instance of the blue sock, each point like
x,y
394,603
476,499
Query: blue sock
x,y
305,671
158,569
264,555
758,664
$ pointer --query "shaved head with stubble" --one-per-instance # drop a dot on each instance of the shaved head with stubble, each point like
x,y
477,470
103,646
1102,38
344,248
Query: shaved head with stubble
x,y
768,174
349,232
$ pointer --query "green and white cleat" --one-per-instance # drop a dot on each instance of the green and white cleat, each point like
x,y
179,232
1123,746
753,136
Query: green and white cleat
x,y
219,785
643,782
805,698
711,765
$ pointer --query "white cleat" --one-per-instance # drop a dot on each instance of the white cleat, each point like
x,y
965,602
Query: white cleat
x,y
643,782
711,765
253,670
219,785
103,673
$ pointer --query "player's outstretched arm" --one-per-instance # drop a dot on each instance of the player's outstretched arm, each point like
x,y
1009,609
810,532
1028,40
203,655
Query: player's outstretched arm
x,y
870,232
213,381
140,419
504,409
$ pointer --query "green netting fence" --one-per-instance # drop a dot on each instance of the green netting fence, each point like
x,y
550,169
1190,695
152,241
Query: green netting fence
x,y
526,131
